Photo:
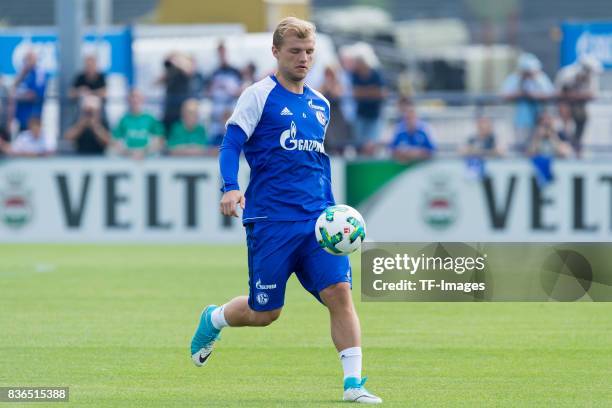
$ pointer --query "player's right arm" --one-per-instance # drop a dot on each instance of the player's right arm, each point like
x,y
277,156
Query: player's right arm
x,y
240,127
229,157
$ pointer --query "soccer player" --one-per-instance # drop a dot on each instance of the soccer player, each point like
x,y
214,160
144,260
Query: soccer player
x,y
280,124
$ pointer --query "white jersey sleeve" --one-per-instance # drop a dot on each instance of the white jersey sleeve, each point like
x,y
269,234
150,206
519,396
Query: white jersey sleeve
x,y
250,106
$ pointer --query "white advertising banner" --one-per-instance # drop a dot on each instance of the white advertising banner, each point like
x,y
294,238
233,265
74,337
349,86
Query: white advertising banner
x,y
441,201
116,200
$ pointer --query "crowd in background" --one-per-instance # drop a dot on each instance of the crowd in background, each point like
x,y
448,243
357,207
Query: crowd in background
x,y
549,119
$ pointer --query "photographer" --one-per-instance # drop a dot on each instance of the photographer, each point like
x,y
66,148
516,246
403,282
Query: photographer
x,y
577,84
178,70
90,133
528,88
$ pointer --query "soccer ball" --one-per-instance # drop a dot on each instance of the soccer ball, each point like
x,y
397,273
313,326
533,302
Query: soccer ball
x,y
340,230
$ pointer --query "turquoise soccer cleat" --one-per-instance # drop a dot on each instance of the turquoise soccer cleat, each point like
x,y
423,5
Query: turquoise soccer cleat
x,y
204,338
354,391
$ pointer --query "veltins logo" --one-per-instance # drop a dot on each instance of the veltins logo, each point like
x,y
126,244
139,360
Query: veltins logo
x,y
15,202
289,141
439,209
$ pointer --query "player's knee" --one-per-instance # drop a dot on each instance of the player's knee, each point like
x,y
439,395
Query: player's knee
x,y
337,296
337,291
266,318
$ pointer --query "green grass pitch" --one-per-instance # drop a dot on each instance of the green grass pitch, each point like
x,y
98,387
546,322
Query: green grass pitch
x,y
114,323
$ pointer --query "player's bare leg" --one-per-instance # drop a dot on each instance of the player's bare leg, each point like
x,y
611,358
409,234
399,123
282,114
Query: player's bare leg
x,y
345,329
236,312
346,335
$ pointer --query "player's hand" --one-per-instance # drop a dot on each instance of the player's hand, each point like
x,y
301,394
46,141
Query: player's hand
x,y
230,200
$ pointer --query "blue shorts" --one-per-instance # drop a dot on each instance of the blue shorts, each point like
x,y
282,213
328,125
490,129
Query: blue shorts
x,y
276,250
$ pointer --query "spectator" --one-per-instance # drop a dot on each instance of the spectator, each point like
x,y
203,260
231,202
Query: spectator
x,y
30,142
338,135
345,75
578,84
197,82
412,140
567,127
410,81
369,93
188,137
5,147
546,141
528,88
224,88
5,134
138,133
248,74
483,143
89,82
177,78
90,133
29,90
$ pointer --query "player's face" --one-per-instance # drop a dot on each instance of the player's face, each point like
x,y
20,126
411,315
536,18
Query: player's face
x,y
295,56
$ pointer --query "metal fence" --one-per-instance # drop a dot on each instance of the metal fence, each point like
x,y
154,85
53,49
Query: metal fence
x,y
451,116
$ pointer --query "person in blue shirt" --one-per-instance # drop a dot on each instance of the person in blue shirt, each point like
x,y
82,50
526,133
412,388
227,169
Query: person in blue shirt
x,y
29,90
280,123
412,140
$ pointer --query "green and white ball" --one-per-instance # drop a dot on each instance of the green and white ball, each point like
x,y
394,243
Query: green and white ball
x,y
340,230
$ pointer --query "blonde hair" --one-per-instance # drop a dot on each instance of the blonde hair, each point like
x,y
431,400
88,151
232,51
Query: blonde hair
x,y
302,28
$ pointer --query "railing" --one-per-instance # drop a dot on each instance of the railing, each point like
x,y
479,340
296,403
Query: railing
x,y
451,116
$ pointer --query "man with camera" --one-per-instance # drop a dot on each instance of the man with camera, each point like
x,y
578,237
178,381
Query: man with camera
x,y
90,133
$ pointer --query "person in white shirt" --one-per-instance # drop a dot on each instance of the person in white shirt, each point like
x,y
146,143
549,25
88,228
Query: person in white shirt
x,y
30,142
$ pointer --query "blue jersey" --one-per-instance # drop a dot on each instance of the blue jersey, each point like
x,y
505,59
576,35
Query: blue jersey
x,y
290,172
35,81
415,138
